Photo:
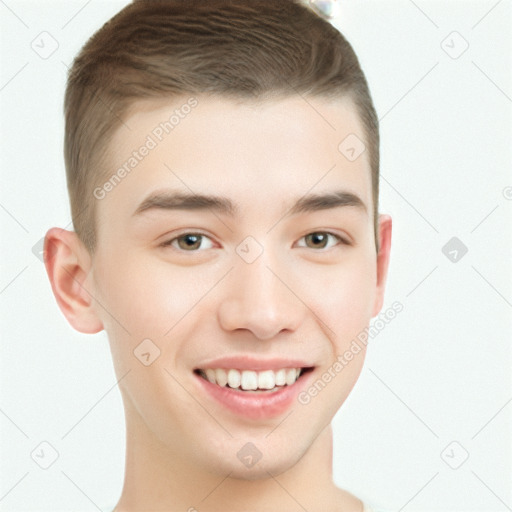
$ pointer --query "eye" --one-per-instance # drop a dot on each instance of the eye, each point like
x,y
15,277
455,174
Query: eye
x,y
320,239
187,242
191,242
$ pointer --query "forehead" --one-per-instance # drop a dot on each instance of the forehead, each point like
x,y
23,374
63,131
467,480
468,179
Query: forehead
x,y
252,152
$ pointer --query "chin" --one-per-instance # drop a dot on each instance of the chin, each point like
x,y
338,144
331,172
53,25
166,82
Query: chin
x,y
271,464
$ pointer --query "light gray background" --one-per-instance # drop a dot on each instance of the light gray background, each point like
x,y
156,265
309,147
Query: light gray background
x,y
439,373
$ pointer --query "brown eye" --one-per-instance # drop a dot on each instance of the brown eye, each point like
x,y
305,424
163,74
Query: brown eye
x,y
189,242
320,239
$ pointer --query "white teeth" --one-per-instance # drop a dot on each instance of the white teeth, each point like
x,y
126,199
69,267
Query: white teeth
x,y
291,376
234,378
280,377
221,377
266,380
250,380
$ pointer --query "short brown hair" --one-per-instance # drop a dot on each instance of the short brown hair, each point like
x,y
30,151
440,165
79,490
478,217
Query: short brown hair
x,y
241,49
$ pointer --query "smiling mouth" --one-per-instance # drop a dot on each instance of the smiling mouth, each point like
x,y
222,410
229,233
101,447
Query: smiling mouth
x,y
251,381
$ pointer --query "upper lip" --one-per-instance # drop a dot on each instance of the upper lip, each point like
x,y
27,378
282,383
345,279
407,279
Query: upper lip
x,y
253,363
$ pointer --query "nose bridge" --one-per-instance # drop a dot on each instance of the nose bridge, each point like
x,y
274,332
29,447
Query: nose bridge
x,y
257,298
259,280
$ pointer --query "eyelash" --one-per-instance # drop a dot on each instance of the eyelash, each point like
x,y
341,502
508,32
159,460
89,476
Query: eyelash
x,y
168,243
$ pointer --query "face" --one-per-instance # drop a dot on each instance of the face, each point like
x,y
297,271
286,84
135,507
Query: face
x,y
257,282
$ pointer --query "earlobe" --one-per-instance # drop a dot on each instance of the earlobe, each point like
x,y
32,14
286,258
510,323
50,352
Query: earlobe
x,y
68,264
385,228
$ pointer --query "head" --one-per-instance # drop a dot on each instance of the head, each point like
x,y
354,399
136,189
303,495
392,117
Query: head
x,y
252,105
251,50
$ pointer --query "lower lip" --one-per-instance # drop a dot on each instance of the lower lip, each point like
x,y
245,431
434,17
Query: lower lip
x,y
256,405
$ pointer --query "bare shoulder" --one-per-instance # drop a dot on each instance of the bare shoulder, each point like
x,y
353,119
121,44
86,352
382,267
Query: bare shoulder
x,y
350,502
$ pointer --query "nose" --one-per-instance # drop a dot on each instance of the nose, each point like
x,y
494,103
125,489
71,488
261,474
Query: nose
x,y
259,298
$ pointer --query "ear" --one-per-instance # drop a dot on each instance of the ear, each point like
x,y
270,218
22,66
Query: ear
x,y
385,225
68,265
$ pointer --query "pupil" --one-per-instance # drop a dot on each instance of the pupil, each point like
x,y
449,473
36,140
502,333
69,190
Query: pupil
x,y
191,240
318,237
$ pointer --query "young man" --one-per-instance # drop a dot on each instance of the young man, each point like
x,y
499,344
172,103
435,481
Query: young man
x,y
222,162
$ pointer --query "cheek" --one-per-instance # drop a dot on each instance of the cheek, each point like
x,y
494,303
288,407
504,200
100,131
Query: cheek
x,y
344,301
146,298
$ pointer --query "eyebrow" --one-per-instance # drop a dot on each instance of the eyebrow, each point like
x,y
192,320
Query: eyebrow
x,y
169,200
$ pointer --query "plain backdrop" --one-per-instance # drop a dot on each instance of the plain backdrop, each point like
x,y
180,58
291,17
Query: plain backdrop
x,y
428,425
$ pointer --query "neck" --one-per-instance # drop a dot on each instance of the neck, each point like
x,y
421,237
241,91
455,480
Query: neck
x,y
158,479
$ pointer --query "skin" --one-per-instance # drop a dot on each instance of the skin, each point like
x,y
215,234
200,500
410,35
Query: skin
x,y
299,298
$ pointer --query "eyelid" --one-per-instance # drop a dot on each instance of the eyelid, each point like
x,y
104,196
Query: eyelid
x,y
344,240
168,241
